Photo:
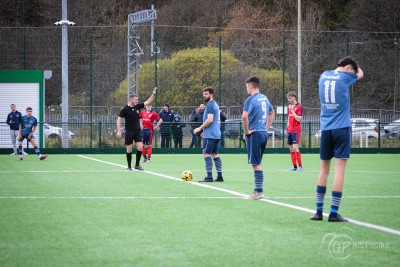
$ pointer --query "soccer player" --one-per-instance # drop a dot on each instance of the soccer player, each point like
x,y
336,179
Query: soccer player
x,y
295,115
133,131
258,115
26,130
335,122
14,120
148,117
211,136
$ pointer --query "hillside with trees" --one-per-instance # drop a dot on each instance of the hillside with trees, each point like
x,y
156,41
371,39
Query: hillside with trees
x,y
258,36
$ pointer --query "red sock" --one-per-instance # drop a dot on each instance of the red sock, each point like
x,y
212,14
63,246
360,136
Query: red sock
x,y
149,151
293,157
144,152
298,155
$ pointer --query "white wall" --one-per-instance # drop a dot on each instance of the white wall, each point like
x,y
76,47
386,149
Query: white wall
x,y
23,95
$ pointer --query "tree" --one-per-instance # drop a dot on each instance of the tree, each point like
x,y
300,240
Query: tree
x,y
187,72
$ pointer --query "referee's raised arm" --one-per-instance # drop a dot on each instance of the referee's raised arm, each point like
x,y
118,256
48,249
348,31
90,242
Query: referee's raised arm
x,y
151,98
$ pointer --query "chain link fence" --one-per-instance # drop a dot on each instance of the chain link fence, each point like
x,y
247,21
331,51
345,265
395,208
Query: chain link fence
x,y
99,54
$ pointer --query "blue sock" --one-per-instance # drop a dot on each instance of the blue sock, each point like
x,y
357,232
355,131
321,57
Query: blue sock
x,y
258,181
37,151
209,164
320,195
336,198
20,150
218,166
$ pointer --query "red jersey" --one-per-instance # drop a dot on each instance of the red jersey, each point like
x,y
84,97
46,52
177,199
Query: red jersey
x,y
294,126
148,118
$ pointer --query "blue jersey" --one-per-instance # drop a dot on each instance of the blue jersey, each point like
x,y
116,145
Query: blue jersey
x,y
14,119
213,130
27,125
258,107
334,96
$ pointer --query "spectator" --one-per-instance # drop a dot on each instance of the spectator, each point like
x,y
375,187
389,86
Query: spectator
x,y
198,118
193,126
222,117
165,130
177,131
14,119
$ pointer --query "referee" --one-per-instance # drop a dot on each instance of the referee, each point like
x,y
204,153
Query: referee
x,y
132,127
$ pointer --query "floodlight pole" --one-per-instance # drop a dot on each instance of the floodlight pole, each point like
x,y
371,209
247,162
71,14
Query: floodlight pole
x,y
134,50
64,73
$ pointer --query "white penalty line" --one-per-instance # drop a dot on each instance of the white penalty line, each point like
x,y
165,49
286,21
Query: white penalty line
x,y
360,223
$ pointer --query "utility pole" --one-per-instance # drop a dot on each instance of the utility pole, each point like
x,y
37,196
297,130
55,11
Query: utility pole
x,y
64,23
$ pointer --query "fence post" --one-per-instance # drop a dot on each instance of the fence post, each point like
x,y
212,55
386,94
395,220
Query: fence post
x,y
240,134
283,84
379,134
309,134
220,71
100,134
24,52
156,80
91,87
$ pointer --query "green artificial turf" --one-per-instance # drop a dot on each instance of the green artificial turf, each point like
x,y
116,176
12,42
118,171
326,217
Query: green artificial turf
x,y
74,211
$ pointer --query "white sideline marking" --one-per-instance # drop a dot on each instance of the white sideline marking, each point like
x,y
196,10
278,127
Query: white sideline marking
x,y
344,197
65,171
94,197
244,171
367,225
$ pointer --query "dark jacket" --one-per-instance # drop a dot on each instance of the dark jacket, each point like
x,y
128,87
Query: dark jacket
x,y
222,117
14,120
191,119
198,118
167,117
177,127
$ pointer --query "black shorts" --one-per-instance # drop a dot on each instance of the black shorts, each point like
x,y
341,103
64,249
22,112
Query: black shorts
x,y
133,136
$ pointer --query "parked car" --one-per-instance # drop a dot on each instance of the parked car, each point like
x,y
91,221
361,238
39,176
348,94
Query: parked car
x,y
392,129
361,127
394,132
233,128
53,132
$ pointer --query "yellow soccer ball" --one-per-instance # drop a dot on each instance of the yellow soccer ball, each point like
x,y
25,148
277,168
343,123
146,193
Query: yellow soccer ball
x,y
187,176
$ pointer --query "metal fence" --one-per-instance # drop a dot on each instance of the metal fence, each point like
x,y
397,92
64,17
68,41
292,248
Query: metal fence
x,y
103,135
99,54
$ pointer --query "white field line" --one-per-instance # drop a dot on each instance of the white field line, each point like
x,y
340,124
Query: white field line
x,y
63,171
244,171
238,194
368,225
112,198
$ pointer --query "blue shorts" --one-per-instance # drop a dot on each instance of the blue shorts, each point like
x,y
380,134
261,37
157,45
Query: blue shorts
x,y
210,146
335,143
147,135
293,138
25,137
256,143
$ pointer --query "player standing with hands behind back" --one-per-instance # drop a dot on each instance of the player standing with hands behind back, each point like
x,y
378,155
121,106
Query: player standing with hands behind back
x,y
295,115
334,86
133,132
